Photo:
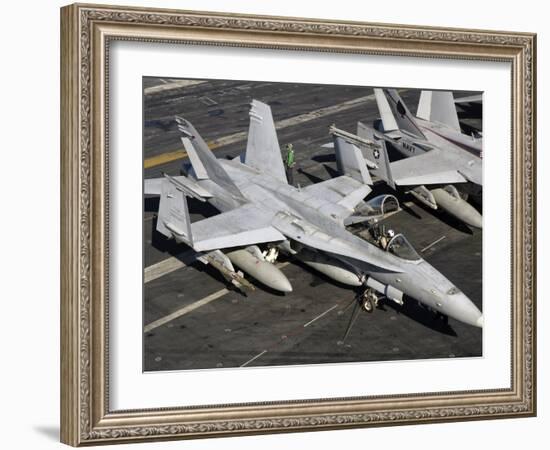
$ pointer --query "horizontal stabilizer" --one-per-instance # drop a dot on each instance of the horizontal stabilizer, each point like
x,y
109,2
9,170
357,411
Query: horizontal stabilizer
x,y
153,186
173,215
245,225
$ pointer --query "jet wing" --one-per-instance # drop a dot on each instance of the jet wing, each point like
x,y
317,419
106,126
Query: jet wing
x,y
245,225
343,190
428,168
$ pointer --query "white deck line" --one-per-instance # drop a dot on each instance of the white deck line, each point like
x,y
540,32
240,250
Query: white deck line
x,y
295,120
320,315
162,268
185,310
255,357
169,265
432,244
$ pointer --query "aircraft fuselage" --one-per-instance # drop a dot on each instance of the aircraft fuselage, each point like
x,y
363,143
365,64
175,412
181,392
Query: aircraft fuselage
x,y
415,278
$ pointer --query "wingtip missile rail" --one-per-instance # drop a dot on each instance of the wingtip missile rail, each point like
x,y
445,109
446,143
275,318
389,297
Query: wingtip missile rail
x,y
355,140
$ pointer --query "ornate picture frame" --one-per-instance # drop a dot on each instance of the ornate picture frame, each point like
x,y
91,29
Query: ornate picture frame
x,y
86,34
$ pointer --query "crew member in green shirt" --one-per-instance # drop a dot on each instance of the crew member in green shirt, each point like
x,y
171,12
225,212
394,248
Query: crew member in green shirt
x,y
290,163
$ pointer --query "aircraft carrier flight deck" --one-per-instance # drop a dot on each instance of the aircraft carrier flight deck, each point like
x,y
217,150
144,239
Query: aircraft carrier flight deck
x,y
194,319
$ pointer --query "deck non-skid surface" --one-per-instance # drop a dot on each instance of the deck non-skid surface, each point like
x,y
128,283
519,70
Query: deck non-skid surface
x,y
193,320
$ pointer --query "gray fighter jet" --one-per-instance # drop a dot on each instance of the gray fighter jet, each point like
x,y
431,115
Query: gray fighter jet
x,y
436,153
258,206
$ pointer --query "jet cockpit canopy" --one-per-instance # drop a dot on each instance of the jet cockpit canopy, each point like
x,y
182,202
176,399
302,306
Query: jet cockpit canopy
x,y
402,248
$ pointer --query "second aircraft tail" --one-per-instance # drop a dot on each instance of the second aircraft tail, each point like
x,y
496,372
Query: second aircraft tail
x,y
377,154
394,113
438,106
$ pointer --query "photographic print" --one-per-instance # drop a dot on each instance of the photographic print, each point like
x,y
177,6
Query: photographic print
x,y
290,224
307,208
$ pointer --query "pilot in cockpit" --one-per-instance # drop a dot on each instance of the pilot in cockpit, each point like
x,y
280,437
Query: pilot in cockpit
x,y
385,237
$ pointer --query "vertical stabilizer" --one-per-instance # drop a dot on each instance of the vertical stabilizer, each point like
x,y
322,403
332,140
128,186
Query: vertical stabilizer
x,y
204,163
262,149
368,133
350,161
388,121
378,154
394,113
438,106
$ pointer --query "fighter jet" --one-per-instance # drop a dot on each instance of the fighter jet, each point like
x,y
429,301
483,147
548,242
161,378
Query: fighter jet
x,y
258,207
436,153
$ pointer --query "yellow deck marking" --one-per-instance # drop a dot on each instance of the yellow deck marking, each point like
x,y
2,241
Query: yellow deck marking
x,y
180,154
164,158
241,136
168,86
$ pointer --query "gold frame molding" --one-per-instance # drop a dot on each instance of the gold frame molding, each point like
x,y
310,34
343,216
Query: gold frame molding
x,y
86,31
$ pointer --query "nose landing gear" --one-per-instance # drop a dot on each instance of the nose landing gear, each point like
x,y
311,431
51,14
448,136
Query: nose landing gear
x,y
366,301
369,300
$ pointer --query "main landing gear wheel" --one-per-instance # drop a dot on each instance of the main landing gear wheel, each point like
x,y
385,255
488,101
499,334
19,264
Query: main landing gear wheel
x,y
369,301
367,305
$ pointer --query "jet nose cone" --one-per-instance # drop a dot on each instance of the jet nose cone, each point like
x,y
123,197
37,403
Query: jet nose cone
x,y
461,308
